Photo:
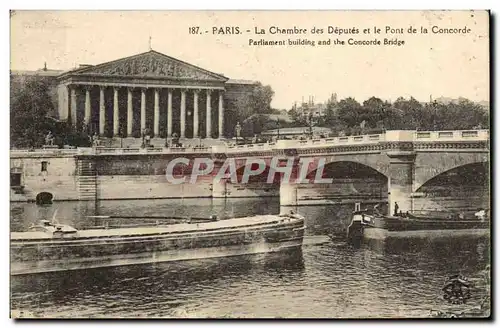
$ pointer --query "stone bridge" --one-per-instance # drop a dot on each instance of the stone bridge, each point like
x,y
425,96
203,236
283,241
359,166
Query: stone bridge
x,y
405,161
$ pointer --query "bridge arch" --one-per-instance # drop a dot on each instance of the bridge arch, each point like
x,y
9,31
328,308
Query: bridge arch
x,y
350,181
378,164
432,165
466,176
260,178
44,198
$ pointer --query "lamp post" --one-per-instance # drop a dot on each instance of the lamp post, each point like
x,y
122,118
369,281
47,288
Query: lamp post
x,y
310,125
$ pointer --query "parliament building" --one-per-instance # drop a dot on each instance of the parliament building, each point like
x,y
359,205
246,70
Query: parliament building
x,y
146,93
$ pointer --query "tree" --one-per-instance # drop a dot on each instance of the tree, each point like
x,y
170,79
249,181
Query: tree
x,y
257,123
349,112
258,101
373,111
411,111
29,104
461,115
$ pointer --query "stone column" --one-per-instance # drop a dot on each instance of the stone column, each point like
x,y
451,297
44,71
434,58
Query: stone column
x,y
289,191
209,115
143,110
102,111
130,112
183,113
88,110
116,113
156,128
400,180
169,114
195,114
221,115
74,117
63,95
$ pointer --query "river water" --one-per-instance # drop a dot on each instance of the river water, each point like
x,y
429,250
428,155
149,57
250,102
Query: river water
x,y
395,279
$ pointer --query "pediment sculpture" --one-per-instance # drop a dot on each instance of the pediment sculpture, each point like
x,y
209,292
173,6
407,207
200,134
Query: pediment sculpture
x,y
151,65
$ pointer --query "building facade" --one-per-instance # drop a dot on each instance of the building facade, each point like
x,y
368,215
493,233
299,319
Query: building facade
x,y
149,93
310,108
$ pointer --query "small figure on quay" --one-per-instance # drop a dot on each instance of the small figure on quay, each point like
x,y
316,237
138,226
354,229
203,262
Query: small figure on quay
x,y
95,140
480,215
146,138
175,139
396,208
49,139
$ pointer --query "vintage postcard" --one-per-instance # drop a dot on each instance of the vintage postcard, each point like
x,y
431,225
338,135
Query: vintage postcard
x,y
250,164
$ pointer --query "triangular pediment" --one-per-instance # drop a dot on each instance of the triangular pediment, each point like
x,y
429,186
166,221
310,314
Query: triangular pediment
x,y
151,64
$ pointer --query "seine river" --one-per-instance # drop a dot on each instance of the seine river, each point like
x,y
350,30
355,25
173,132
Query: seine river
x,y
401,278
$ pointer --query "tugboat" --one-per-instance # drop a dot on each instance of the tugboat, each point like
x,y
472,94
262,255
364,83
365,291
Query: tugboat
x,y
56,247
366,225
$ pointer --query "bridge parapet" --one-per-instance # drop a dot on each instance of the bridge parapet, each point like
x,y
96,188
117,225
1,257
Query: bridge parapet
x,y
132,151
391,136
244,148
15,153
333,141
454,135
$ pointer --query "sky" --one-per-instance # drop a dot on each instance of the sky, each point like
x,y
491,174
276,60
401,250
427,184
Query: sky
x,y
449,65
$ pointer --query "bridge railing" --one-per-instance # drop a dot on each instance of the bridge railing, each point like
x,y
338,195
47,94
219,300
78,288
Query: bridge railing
x,y
42,151
391,135
453,135
152,150
244,148
322,142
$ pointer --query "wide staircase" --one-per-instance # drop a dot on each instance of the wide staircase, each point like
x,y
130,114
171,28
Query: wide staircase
x,y
87,180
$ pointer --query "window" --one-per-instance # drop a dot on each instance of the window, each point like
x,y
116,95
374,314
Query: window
x,y
44,166
15,179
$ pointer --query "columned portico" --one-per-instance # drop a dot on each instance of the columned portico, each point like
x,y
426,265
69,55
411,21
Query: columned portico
x,y
154,85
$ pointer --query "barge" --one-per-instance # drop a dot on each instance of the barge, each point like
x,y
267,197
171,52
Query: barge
x,y
366,225
56,247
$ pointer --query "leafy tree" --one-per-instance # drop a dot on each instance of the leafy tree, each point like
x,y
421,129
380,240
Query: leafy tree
x,y
349,112
373,110
260,99
29,104
462,115
256,102
411,111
